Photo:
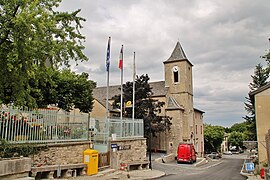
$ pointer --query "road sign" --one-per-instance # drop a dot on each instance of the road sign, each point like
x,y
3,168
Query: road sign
x,y
249,166
114,146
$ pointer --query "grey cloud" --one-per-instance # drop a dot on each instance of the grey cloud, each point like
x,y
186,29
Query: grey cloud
x,y
223,39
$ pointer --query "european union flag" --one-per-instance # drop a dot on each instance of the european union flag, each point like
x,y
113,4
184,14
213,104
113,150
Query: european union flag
x,y
108,55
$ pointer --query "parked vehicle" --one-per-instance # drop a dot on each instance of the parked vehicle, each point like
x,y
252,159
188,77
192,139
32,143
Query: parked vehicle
x,y
227,153
214,155
235,152
186,153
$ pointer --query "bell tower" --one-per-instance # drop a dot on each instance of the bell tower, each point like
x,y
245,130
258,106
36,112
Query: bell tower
x,y
178,72
178,81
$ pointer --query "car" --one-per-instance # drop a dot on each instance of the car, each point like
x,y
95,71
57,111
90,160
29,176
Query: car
x,y
235,152
227,153
214,155
253,156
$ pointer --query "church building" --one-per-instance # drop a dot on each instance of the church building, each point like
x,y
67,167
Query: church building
x,y
177,92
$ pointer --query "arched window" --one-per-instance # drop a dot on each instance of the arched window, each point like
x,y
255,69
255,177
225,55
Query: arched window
x,y
175,74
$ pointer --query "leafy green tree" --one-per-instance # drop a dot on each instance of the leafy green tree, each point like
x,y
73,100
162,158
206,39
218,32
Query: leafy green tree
x,y
236,139
259,79
239,127
63,88
146,107
213,137
34,35
73,91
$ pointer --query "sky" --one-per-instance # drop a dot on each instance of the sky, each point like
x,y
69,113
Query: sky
x,y
222,39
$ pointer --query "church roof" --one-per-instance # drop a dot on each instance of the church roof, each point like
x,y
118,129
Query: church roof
x,y
173,104
99,93
178,54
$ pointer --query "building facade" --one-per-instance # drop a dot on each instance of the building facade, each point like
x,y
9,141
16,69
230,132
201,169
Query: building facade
x,y
261,98
177,92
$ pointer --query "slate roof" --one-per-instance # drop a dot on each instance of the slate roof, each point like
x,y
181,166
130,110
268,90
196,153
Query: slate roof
x,y
99,93
178,54
173,104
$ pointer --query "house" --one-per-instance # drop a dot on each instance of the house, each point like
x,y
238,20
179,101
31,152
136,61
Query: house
x,y
225,144
177,93
261,99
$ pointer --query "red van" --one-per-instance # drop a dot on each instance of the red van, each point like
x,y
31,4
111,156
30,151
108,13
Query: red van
x,y
186,153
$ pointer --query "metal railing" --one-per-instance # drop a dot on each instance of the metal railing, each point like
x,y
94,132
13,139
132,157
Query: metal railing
x,y
125,128
51,125
41,125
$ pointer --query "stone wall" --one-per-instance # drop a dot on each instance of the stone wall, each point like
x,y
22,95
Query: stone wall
x,y
61,153
127,150
15,168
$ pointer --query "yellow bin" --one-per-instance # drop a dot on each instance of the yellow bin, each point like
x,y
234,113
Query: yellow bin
x,y
90,158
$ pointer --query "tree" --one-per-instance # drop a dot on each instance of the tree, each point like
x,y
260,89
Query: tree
x,y
213,137
236,139
259,79
239,127
267,56
146,107
33,35
74,91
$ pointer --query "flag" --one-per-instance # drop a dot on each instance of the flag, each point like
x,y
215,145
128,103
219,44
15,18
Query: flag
x,y
121,58
108,55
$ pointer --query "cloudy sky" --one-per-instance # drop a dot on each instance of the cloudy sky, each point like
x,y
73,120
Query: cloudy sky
x,y
223,39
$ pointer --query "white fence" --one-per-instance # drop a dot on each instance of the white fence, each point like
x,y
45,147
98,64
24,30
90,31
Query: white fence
x,y
41,125
52,125
125,128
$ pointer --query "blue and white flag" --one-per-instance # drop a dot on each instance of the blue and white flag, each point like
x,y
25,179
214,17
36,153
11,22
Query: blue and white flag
x,y
108,55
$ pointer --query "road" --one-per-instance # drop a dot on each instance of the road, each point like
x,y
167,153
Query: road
x,y
227,168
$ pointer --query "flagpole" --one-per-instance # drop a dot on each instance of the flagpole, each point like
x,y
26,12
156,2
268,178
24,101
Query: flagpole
x,y
108,82
133,95
107,95
133,101
122,56
121,66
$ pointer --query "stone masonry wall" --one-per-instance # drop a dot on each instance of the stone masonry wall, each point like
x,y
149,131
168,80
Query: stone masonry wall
x,y
61,153
14,168
137,151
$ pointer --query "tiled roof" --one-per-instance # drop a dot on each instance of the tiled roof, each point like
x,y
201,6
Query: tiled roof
x,y
100,93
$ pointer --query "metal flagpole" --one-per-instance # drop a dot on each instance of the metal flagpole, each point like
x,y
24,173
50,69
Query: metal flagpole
x,y
133,98
121,103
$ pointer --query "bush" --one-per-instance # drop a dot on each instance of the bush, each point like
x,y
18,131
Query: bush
x,y
8,150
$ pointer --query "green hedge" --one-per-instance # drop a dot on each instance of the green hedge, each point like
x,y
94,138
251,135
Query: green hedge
x,y
8,150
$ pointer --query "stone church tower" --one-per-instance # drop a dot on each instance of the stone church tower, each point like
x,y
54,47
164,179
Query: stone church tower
x,y
176,90
179,96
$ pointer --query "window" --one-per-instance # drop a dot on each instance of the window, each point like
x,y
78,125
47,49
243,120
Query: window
x,y
201,129
175,74
196,129
175,77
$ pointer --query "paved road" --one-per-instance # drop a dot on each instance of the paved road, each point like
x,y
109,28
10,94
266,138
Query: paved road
x,y
228,168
